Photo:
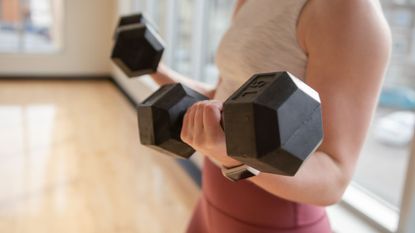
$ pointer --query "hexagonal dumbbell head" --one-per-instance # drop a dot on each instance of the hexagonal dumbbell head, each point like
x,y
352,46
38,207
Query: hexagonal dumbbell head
x,y
138,47
160,119
129,20
273,123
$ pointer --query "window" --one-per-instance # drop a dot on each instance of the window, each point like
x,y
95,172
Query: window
x,y
30,26
192,31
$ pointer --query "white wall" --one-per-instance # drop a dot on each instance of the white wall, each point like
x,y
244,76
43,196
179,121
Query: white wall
x,y
86,44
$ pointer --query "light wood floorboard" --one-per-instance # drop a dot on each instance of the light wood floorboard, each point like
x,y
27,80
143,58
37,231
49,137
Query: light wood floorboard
x,y
70,161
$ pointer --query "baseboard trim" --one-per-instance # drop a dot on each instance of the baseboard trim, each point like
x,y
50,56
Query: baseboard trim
x,y
56,78
133,102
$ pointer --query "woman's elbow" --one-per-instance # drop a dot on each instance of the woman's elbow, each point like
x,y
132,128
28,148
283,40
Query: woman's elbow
x,y
335,191
332,199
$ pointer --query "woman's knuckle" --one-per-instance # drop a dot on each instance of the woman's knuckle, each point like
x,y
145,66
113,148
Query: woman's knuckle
x,y
184,136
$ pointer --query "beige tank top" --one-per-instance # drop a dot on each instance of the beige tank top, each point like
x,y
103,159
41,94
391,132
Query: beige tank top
x,y
261,38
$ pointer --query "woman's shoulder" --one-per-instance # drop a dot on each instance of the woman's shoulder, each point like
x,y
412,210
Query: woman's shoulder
x,y
345,10
343,6
358,22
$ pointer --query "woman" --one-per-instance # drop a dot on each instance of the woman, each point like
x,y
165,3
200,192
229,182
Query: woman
x,y
341,49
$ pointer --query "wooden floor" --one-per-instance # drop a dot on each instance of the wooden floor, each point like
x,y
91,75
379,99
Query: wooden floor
x,y
70,161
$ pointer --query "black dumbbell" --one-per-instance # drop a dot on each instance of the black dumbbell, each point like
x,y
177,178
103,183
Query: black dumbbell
x,y
138,47
272,123
160,118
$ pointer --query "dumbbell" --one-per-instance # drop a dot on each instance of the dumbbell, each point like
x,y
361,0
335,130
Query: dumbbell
x,y
160,118
138,47
271,123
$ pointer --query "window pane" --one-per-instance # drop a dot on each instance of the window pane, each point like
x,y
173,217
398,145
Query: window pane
x,y
174,21
27,25
382,166
183,48
220,12
9,25
155,11
37,25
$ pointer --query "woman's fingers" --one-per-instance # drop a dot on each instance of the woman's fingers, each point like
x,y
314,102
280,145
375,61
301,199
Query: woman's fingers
x,y
201,123
187,127
218,104
211,118
198,118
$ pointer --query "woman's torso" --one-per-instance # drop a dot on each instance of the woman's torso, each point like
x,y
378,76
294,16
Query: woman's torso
x,y
262,38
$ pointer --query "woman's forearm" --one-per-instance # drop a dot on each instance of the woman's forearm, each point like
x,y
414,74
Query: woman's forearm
x,y
320,181
165,75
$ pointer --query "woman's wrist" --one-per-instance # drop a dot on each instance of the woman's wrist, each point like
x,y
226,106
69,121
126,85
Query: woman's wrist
x,y
229,162
163,75
221,159
162,69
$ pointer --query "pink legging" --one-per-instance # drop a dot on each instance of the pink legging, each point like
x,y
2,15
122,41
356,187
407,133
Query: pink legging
x,y
242,207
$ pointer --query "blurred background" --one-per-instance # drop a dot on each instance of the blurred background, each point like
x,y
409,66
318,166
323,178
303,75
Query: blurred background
x,y
70,159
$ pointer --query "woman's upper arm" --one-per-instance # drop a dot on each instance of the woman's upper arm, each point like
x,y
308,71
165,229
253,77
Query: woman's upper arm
x,y
237,6
348,44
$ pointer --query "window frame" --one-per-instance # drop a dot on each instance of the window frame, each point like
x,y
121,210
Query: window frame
x,y
407,210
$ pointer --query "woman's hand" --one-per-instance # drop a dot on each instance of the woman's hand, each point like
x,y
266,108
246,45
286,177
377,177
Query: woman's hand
x,y
202,130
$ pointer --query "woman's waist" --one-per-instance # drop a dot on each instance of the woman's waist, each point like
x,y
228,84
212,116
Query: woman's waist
x,y
245,201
